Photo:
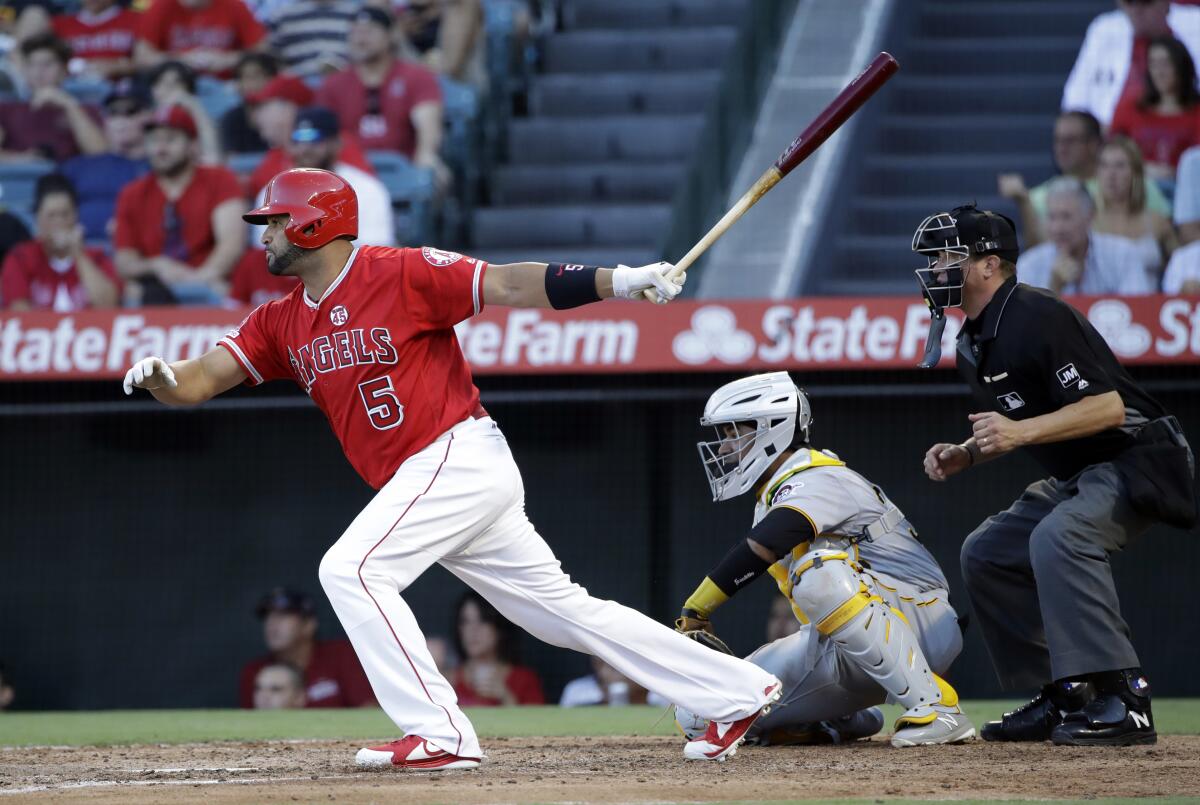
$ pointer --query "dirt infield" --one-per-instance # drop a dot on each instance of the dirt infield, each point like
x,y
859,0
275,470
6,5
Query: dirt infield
x,y
598,770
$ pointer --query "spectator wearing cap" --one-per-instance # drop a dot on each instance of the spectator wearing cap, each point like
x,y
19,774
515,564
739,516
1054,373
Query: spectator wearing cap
x,y
173,83
1182,275
1076,260
279,686
253,72
207,35
315,143
275,111
98,178
51,124
1111,65
1165,121
311,36
56,271
101,35
388,103
179,228
7,694
332,674
1078,139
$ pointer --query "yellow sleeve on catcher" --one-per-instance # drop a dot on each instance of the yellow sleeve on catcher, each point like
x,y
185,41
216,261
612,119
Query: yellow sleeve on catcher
x,y
706,598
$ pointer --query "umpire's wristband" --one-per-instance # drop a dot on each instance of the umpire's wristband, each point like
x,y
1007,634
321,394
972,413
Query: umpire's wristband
x,y
970,453
570,285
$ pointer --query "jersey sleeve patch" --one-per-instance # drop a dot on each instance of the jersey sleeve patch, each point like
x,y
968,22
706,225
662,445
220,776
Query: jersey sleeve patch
x,y
439,257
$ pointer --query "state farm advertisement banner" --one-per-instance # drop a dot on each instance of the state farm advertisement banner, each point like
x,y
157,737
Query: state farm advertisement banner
x,y
800,334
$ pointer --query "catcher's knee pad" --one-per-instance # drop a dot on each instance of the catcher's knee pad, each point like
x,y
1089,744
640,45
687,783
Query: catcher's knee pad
x,y
825,587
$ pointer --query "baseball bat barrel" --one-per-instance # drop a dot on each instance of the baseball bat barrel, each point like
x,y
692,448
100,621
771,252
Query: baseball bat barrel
x,y
848,101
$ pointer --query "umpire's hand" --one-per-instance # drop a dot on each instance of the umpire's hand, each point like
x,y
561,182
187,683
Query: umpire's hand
x,y
945,459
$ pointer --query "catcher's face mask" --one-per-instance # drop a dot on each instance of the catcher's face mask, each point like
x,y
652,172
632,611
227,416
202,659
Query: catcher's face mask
x,y
723,456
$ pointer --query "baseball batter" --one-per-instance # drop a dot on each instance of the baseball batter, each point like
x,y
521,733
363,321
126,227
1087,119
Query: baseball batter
x,y
367,333
877,622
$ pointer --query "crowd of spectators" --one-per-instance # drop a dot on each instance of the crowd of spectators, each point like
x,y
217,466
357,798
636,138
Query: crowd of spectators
x,y
162,120
1130,120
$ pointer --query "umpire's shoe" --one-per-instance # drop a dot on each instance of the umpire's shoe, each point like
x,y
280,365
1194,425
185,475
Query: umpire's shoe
x,y
1037,719
1118,716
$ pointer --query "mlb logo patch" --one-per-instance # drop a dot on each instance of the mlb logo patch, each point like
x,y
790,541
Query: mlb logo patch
x,y
1011,401
1068,376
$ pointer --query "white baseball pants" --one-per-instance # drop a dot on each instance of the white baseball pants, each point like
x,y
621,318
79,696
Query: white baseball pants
x,y
460,502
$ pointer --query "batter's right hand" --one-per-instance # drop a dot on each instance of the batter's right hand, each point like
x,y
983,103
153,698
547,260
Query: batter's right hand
x,y
945,459
149,373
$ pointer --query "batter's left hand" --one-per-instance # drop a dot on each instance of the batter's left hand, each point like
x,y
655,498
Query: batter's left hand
x,y
629,282
995,433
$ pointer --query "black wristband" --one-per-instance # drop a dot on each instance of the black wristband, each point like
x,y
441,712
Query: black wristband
x,y
739,567
570,285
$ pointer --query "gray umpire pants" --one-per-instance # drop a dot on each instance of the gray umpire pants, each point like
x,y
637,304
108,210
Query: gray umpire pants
x,y
1040,582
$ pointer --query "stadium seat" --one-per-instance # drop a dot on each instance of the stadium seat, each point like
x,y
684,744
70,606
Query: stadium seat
x,y
642,138
18,180
412,192
244,164
217,97
618,226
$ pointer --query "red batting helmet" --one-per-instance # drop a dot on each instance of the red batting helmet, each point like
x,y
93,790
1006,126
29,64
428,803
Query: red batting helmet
x,y
322,206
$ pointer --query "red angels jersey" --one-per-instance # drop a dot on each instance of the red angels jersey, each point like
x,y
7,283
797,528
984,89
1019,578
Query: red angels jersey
x,y
377,353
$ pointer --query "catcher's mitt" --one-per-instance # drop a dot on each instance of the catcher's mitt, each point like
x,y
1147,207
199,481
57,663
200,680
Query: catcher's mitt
x,y
700,630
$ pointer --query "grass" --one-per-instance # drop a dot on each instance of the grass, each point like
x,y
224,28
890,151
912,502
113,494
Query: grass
x,y
1172,717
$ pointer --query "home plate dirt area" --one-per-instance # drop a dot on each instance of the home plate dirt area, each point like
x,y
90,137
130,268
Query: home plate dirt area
x,y
596,770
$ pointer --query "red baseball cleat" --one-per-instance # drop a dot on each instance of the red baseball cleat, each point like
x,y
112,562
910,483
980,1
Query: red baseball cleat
x,y
413,752
722,737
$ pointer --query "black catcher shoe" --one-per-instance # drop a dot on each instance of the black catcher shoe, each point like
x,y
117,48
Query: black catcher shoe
x,y
1118,716
1037,719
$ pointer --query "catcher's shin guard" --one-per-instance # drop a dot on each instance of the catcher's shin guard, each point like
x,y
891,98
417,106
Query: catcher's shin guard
x,y
879,640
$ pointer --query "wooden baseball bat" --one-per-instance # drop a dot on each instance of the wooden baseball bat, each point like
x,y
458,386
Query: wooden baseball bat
x,y
848,101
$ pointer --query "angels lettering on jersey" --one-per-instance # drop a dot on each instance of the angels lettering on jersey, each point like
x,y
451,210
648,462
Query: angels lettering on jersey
x,y
376,353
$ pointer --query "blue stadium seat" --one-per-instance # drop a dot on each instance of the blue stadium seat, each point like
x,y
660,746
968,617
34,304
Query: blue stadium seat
x,y
412,192
217,97
88,91
18,180
244,164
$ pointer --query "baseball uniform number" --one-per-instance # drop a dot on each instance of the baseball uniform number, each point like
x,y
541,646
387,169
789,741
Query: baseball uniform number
x,y
384,408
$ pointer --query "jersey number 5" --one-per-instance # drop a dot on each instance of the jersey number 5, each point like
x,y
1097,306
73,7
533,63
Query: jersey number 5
x,y
384,408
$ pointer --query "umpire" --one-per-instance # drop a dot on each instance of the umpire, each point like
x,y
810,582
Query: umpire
x,y
1038,573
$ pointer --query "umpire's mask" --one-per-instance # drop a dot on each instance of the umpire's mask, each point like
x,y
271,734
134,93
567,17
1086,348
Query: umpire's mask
x,y
948,240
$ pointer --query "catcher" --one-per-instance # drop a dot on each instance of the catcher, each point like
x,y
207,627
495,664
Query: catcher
x,y
877,623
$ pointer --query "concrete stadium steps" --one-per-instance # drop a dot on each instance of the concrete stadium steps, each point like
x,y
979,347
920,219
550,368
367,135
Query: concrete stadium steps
x,y
642,14
569,94
886,214
954,18
956,95
1031,54
629,225
614,114
916,134
979,87
958,173
595,181
637,50
607,257
568,140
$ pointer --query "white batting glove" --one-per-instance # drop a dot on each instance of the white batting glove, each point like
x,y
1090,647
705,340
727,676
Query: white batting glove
x,y
149,373
629,282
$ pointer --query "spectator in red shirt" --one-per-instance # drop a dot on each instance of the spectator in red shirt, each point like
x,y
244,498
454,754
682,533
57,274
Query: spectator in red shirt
x,y
275,111
1165,121
332,674
207,35
51,124
55,271
490,673
279,686
179,228
387,103
102,35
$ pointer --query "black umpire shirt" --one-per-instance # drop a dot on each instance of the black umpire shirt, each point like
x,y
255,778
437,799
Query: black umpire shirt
x,y
1030,353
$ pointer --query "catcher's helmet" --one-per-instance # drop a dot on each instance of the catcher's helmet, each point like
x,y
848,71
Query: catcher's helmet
x,y
948,239
780,415
321,205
